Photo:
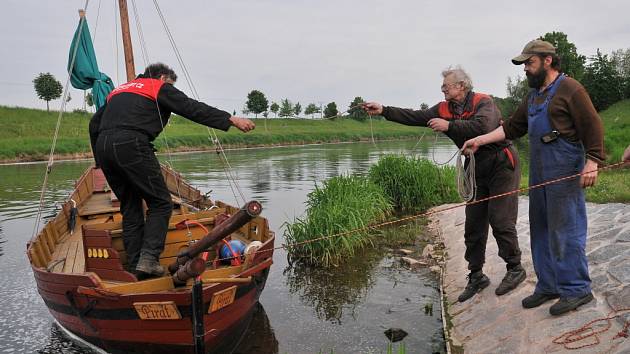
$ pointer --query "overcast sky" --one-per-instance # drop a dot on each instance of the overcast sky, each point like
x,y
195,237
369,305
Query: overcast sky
x,y
307,51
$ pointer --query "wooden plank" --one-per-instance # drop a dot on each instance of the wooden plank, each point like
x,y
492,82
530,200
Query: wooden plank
x,y
46,234
79,260
54,232
145,286
119,275
45,248
43,255
84,279
103,263
59,257
36,258
221,272
70,258
173,249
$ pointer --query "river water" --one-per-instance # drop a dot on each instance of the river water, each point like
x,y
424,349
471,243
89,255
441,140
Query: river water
x,y
303,310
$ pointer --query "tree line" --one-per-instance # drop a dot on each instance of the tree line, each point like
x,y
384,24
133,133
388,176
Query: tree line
x,y
606,77
257,103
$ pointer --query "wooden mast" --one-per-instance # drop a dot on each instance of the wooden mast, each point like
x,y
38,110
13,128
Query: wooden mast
x,y
126,37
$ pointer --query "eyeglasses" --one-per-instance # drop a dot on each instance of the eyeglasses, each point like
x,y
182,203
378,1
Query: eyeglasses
x,y
447,87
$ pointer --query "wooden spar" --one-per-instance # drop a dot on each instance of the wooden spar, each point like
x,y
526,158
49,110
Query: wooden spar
x,y
249,211
126,37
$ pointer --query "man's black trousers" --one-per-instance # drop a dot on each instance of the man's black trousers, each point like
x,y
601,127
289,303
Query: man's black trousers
x,y
133,173
494,174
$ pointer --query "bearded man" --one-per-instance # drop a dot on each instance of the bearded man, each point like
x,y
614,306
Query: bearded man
x,y
566,137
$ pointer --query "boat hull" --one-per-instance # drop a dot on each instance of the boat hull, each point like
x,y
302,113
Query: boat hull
x,y
114,325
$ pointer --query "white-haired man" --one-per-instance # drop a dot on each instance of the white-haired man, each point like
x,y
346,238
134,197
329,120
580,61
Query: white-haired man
x,y
464,115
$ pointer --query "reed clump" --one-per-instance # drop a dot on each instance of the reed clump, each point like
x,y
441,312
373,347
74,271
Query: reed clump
x,y
341,204
347,203
414,184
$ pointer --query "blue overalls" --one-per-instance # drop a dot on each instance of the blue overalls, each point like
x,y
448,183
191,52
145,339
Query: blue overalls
x,y
557,212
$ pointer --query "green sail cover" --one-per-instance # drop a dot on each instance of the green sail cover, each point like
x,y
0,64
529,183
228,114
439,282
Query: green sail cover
x,y
85,72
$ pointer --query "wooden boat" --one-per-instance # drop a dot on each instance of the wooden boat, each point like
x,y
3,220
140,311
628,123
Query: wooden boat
x,y
81,276
80,266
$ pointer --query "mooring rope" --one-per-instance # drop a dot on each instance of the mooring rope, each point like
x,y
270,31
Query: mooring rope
x,y
434,211
588,330
465,175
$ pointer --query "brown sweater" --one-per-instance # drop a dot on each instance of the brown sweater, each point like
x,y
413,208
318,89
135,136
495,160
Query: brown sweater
x,y
571,113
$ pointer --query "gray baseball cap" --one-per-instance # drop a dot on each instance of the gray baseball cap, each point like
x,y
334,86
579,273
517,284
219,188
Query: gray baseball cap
x,y
537,46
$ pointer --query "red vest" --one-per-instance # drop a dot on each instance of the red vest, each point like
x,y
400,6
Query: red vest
x,y
148,88
445,112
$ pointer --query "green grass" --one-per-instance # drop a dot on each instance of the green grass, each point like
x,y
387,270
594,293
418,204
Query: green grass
x,y
616,129
341,204
346,203
27,133
414,184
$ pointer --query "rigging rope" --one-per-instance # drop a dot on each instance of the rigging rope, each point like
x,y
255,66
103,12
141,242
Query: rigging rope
x,y
64,101
211,131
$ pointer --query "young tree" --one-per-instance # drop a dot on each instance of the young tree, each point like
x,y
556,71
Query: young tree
x,y
274,108
47,88
311,109
89,99
265,114
331,110
355,111
517,89
424,106
571,62
602,81
286,108
245,110
621,60
257,102
297,109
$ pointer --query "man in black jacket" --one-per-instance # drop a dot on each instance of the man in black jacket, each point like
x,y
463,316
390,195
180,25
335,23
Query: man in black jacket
x,y
462,115
121,134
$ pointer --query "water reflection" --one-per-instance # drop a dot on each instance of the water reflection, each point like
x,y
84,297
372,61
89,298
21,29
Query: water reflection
x,y
2,240
331,291
260,337
59,343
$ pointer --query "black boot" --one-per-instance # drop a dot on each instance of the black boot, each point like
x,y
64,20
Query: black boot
x,y
537,299
510,281
149,267
566,304
477,281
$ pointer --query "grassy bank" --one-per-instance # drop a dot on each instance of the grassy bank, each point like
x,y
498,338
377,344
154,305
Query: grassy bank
x,y
27,133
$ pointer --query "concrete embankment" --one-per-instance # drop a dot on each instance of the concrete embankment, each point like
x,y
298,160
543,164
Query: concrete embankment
x,y
490,324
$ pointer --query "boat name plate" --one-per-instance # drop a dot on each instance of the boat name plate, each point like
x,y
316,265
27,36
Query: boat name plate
x,y
166,310
222,298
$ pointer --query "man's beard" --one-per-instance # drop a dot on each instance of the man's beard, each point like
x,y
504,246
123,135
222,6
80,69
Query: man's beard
x,y
536,80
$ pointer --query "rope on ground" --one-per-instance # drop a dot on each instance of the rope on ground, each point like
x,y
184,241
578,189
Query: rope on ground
x,y
590,330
